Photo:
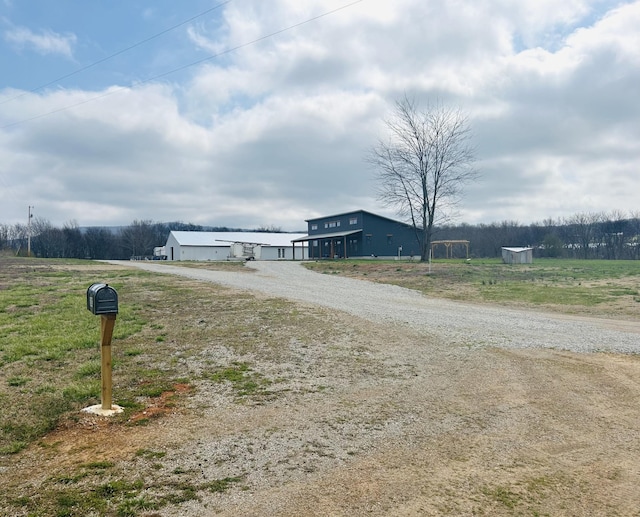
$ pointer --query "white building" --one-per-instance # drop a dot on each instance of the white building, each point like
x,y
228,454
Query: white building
x,y
517,255
203,246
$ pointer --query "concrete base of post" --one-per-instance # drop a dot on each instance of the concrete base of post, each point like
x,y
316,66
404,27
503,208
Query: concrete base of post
x,y
97,410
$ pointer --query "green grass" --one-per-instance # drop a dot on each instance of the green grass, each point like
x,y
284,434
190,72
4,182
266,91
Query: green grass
x,y
41,323
90,368
49,344
502,495
118,496
113,494
243,380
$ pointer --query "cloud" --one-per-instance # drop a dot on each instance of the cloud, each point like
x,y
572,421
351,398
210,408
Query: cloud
x,y
277,131
45,42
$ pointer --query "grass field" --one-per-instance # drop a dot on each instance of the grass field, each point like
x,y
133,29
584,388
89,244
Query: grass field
x,y
50,362
49,351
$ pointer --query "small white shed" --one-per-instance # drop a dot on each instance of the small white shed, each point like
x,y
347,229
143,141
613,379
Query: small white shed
x,y
203,246
517,255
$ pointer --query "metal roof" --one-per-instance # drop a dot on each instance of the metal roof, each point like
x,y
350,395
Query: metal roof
x,y
353,212
325,236
224,239
516,250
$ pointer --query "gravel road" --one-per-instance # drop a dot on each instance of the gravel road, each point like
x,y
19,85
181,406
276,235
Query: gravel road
x,y
458,323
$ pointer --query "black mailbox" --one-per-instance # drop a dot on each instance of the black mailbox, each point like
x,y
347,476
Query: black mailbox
x,y
102,299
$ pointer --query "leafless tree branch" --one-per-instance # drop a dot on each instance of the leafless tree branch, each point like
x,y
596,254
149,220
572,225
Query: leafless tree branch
x,y
423,165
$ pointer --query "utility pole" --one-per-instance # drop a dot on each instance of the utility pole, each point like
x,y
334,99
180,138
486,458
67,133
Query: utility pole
x,y
29,232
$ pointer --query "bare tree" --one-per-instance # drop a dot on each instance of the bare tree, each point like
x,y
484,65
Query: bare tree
x,y
139,238
423,165
633,242
5,233
583,228
101,243
271,228
47,240
75,243
613,224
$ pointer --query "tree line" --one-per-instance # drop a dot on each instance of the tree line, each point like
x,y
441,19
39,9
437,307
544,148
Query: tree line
x,y
613,235
136,240
590,235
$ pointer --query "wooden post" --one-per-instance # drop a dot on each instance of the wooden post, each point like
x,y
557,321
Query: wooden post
x,y
106,332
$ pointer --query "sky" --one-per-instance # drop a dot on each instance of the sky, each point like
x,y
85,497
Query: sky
x,y
254,113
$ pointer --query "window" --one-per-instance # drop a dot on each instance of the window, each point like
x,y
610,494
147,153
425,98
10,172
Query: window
x,y
332,224
314,227
389,238
353,220
315,244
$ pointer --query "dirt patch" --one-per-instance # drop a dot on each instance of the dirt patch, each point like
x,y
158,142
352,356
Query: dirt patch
x,y
160,406
85,437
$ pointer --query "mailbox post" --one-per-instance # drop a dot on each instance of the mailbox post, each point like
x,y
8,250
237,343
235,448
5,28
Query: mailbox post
x,y
102,300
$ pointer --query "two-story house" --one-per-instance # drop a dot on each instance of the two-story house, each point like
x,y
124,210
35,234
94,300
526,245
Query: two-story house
x,y
359,234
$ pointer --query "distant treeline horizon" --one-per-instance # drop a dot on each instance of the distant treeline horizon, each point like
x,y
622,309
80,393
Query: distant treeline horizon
x,y
592,235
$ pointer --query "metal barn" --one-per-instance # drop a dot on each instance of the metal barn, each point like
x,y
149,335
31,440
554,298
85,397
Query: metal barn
x,y
204,246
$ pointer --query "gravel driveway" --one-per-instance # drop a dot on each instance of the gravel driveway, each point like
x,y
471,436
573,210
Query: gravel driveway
x,y
458,323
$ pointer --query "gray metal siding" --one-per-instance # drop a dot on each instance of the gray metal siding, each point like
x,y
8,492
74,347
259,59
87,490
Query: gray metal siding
x,y
380,236
383,237
340,223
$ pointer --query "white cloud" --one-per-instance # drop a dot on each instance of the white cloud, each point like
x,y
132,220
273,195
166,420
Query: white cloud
x,y
44,42
276,132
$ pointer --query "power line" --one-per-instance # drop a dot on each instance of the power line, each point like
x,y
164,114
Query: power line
x,y
184,67
252,42
119,52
